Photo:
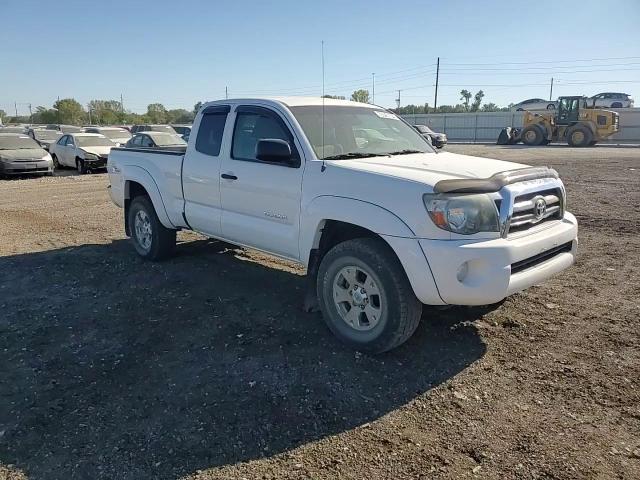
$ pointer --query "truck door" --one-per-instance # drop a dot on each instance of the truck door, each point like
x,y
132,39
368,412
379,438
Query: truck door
x,y
568,111
261,200
201,171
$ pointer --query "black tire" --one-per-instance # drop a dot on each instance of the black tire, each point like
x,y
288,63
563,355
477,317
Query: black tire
x,y
56,163
579,136
162,241
519,110
616,105
533,135
81,167
399,308
551,106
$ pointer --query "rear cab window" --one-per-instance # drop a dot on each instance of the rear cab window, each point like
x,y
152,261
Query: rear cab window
x,y
211,130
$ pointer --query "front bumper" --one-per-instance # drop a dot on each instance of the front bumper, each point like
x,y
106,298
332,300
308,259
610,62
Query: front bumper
x,y
476,272
101,162
21,168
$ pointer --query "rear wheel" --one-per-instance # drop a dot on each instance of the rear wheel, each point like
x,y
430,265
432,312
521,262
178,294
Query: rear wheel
x,y
151,239
579,136
365,296
56,163
551,106
532,136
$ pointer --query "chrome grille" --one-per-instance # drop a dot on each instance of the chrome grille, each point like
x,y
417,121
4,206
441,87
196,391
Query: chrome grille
x,y
525,214
528,204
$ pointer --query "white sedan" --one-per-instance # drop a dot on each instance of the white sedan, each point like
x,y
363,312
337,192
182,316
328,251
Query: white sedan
x,y
534,104
117,135
84,151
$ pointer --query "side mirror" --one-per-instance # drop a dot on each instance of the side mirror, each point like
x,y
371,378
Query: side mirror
x,y
274,150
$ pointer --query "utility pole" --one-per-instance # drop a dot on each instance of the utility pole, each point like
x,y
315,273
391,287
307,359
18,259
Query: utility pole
x,y
226,93
30,114
551,91
373,88
435,100
398,100
121,104
89,116
15,105
58,109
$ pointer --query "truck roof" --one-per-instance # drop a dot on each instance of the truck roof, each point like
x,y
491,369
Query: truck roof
x,y
295,101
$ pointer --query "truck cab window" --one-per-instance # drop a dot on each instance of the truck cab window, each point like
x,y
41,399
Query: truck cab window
x,y
252,127
209,138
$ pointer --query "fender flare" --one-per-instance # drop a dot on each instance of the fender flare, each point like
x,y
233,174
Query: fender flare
x,y
133,173
391,228
349,210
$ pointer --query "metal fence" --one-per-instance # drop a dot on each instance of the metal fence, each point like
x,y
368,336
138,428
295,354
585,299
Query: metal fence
x,y
484,127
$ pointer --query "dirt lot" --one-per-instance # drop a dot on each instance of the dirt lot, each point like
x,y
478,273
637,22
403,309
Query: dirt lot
x,y
205,367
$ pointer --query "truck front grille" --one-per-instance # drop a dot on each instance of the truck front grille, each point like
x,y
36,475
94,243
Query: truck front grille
x,y
532,209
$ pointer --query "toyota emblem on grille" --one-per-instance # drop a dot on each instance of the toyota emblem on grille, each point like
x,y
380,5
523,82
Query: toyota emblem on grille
x,y
540,208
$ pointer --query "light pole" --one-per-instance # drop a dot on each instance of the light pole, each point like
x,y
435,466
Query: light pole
x,y
373,88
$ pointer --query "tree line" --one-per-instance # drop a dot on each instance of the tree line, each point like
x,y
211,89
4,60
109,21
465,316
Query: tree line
x,y
69,111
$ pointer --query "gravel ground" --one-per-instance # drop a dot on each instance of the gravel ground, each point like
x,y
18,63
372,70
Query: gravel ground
x,y
204,366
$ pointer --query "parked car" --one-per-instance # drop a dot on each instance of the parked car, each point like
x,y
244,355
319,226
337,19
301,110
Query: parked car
x,y
161,140
44,137
84,151
13,129
119,136
438,140
70,129
183,130
152,128
534,104
382,227
21,154
611,100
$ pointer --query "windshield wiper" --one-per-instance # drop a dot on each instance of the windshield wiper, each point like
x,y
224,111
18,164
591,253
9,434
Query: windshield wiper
x,y
405,152
345,156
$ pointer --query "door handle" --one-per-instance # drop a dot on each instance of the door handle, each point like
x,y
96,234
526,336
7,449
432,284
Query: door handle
x,y
228,176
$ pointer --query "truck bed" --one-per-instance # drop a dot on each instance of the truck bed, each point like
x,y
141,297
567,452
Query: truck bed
x,y
160,170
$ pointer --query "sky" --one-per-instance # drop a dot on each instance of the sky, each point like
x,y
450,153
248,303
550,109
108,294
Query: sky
x,y
181,52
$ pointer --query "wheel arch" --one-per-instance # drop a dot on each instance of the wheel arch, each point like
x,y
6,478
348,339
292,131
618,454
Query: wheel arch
x,y
330,220
139,182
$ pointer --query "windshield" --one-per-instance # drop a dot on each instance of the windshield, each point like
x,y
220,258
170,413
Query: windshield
x,y
115,133
46,134
17,143
168,139
93,142
357,132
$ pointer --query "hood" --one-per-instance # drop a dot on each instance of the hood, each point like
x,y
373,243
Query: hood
x,y
24,154
100,150
429,168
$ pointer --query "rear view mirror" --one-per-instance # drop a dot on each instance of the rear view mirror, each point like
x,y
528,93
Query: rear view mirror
x,y
274,150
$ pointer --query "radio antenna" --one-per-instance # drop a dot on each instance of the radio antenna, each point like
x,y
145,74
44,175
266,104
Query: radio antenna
x,y
324,166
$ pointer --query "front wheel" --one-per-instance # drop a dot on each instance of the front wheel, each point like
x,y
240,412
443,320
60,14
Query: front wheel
x,y
56,163
81,166
365,296
532,136
150,238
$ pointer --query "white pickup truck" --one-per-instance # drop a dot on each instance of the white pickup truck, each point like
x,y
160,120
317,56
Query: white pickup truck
x,y
382,222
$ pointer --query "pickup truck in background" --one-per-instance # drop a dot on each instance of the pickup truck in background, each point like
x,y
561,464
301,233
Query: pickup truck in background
x,y
382,222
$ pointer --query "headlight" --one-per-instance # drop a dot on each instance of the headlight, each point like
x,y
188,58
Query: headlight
x,y
90,156
465,213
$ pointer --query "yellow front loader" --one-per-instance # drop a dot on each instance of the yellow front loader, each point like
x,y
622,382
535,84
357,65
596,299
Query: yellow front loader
x,y
572,122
